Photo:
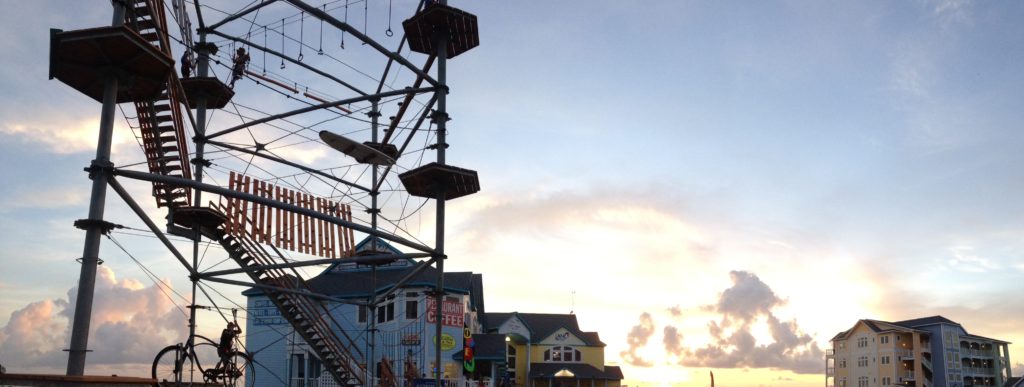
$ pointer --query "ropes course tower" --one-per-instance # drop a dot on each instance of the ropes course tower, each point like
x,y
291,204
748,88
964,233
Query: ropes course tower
x,y
272,149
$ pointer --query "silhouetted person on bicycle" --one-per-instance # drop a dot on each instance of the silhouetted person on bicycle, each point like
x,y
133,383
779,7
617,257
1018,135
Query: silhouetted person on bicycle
x,y
227,339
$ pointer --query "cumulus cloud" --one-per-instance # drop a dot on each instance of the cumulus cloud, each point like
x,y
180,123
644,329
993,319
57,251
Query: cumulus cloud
x,y
734,346
741,307
130,323
637,338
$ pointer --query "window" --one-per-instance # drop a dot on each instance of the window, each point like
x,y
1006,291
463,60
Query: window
x,y
842,381
842,363
362,313
511,359
862,381
842,345
886,381
862,361
562,354
391,311
412,309
304,370
885,360
884,339
862,342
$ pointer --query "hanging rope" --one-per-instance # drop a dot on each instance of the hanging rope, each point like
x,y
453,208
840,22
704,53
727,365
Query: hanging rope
x,y
282,44
321,50
265,51
302,30
346,22
389,33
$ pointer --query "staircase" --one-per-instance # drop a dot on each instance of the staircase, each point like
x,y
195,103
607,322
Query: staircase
x,y
308,317
160,119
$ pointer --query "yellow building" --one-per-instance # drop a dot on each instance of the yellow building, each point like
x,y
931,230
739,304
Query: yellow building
x,y
545,350
930,351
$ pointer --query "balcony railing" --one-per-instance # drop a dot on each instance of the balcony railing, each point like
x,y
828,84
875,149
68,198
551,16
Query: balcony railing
x,y
830,371
906,375
830,352
904,354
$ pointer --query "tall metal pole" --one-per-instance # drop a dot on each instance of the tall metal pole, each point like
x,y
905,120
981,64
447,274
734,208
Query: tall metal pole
x,y
374,114
202,70
441,40
95,226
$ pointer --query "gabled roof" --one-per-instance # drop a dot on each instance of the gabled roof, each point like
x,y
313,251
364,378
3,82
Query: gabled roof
x,y
923,321
352,284
579,370
542,325
875,326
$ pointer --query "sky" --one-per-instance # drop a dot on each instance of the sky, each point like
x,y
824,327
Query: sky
x,y
709,185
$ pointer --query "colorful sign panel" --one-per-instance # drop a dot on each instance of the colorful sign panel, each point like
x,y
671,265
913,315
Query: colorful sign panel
x,y
452,314
468,363
447,342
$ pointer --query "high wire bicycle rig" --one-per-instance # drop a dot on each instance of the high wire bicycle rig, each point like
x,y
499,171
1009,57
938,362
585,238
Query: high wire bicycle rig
x,y
250,165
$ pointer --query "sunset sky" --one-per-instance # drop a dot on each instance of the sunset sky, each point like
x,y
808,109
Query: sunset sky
x,y
653,166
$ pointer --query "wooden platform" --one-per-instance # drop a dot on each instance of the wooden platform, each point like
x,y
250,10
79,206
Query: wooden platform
x,y
432,179
459,25
82,59
64,380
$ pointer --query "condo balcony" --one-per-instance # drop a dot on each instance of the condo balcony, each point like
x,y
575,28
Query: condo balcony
x,y
904,354
830,371
906,375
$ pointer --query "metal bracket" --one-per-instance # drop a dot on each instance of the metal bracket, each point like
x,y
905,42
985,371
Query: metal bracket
x,y
98,260
95,167
104,226
204,162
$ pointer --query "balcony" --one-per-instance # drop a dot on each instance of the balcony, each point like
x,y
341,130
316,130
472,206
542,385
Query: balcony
x,y
904,354
906,375
830,371
830,352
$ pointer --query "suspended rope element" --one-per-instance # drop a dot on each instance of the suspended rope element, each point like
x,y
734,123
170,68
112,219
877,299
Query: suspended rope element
x,y
320,51
282,43
389,33
302,29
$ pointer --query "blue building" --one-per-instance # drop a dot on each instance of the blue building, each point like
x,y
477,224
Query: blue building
x,y
400,330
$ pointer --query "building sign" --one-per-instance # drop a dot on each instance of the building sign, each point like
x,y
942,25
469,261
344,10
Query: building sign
x,y
411,339
468,363
447,342
451,313
264,312
513,325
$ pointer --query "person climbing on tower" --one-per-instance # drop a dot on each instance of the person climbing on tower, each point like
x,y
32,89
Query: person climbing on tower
x,y
186,65
241,60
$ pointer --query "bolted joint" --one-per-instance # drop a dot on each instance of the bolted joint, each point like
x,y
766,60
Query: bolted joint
x,y
435,146
97,167
205,48
372,210
373,113
201,161
436,116
102,225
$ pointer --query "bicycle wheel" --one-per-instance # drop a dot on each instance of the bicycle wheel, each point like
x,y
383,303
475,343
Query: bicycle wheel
x,y
239,370
172,365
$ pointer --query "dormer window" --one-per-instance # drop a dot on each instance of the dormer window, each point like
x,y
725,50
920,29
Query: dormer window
x,y
563,354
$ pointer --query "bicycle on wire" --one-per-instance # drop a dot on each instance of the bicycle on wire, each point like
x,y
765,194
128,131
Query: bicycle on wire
x,y
182,363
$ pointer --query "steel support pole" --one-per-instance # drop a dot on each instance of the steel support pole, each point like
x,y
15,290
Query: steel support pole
x,y
441,42
202,70
372,342
95,225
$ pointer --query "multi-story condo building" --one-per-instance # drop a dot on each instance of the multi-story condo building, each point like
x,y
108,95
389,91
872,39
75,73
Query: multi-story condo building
x,y
929,352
